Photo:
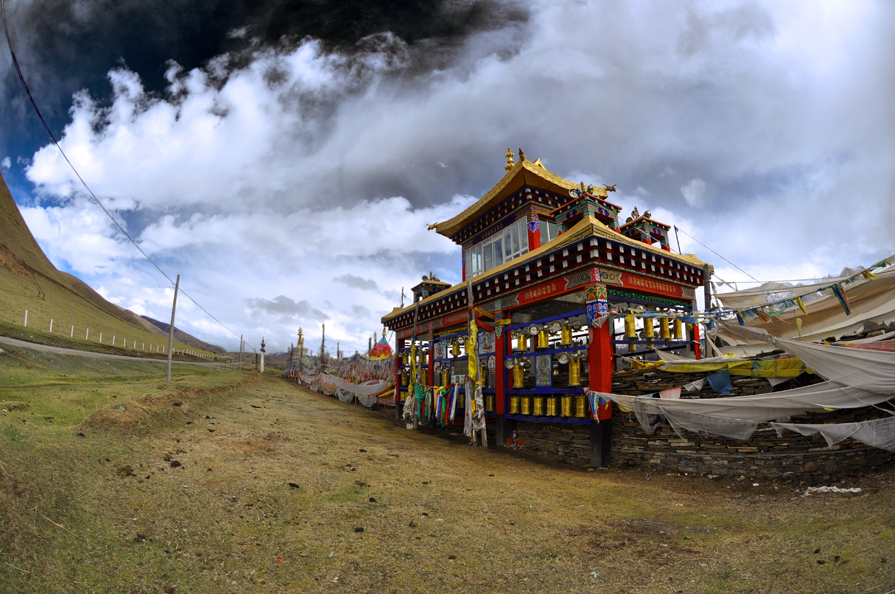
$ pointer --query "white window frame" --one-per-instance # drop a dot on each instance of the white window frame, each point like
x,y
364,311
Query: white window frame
x,y
474,257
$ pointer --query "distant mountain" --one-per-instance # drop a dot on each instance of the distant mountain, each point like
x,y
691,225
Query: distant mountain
x,y
185,338
29,281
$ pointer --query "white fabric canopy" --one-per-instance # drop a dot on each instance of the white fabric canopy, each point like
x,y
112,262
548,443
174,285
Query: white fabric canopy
x,y
869,370
738,416
879,433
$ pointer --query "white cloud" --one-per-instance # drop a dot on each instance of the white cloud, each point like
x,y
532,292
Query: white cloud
x,y
694,192
6,163
755,127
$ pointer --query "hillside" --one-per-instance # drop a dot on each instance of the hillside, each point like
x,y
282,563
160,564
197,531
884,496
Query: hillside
x,y
29,281
184,337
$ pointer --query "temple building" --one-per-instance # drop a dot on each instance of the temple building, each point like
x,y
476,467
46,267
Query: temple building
x,y
544,262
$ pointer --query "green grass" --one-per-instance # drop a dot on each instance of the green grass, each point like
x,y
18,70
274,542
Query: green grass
x,y
130,522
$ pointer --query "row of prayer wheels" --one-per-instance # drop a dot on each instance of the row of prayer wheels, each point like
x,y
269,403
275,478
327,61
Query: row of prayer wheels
x,y
649,332
546,406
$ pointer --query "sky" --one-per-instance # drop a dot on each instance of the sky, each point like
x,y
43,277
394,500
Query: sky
x,y
285,157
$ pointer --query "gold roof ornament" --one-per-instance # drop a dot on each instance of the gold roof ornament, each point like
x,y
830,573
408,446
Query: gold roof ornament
x,y
510,162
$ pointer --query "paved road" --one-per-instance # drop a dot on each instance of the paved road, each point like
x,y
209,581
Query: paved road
x,y
44,347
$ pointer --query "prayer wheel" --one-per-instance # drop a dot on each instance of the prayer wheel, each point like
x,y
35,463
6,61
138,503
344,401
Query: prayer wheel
x,y
580,407
678,330
630,330
574,372
445,377
461,399
567,406
455,349
518,377
649,331
664,333
543,340
405,379
551,406
566,339
489,402
522,342
514,405
525,401
538,406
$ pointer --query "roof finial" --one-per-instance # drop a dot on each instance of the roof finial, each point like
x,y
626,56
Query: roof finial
x,y
521,156
510,163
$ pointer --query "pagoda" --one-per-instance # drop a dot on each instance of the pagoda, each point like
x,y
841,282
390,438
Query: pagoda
x,y
544,263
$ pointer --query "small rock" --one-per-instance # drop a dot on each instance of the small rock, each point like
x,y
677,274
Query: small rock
x,y
372,500
452,557
175,464
176,404
80,435
413,524
212,430
820,561
816,551
121,409
359,529
293,485
363,450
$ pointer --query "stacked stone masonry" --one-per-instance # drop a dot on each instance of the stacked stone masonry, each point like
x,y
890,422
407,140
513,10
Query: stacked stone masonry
x,y
766,456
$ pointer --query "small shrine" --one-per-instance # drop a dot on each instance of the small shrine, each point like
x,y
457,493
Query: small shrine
x,y
550,279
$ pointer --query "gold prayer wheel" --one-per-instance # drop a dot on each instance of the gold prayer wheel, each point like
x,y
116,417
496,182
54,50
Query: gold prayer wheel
x,y
543,340
567,406
525,401
405,379
649,331
574,372
445,377
566,336
514,405
678,330
630,331
664,333
455,349
538,406
489,402
551,406
522,342
580,407
518,377
461,399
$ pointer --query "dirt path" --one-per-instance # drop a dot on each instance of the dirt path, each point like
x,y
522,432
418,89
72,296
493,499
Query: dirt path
x,y
270,488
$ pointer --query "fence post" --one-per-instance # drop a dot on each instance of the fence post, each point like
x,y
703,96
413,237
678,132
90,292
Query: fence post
x,y
87,335
72,335
51,325
26,318
113,340
100,337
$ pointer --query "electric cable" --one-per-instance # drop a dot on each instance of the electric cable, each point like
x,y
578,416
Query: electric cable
x,y
716,253
46,126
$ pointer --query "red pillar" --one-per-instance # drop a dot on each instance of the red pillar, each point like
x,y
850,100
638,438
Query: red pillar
x,y
431,371
499,373
697,350
534,237
599,363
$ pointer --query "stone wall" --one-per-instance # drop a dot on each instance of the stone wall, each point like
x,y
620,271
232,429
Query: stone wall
x,y
766,456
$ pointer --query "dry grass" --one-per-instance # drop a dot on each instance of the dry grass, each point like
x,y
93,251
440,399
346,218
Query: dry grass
x,y
269,488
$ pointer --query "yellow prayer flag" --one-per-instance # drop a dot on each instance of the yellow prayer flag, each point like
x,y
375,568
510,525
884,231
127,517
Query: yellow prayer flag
x,y
869,275
801,305
799,326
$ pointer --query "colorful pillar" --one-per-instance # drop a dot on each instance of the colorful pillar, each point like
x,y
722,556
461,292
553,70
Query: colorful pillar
x,y
599,363
534,232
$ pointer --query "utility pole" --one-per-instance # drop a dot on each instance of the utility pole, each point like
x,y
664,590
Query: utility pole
x,y
171,328
240,352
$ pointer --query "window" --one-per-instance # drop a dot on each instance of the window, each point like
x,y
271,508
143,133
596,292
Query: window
x,y
549,231
501,247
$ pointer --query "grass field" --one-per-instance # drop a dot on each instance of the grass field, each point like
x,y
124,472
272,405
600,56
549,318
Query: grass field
x,y
236,483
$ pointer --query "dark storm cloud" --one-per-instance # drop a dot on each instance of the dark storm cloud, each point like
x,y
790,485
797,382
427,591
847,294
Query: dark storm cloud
x,y
284,306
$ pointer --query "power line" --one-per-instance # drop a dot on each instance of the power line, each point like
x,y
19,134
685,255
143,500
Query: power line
x,y
716,253
64,156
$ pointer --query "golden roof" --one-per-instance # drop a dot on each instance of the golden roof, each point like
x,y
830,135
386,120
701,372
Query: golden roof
x,y
523,173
